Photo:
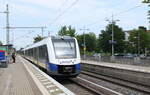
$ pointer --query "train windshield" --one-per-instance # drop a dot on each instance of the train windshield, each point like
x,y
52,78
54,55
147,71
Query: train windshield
x,y
64,48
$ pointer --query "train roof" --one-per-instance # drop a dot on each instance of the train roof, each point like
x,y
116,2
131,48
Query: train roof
x,y
60,37
44,41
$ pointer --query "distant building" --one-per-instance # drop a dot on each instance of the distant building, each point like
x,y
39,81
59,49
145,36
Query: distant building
x,y
127,34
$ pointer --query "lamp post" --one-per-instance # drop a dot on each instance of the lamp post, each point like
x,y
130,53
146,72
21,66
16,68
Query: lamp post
x,y
7,23
137,58
84,47
112,21
138,44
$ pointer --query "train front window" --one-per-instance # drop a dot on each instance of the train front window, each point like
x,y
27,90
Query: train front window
x,y
64,48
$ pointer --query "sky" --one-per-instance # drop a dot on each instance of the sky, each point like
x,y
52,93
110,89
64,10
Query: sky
x,y
53,14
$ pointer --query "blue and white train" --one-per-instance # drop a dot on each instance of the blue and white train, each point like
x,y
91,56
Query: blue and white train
x,y
59,56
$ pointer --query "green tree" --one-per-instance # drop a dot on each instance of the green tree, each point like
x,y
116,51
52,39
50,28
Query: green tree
x,y
104,40
67,31
140,40
38,38
90,41
146,1
149,41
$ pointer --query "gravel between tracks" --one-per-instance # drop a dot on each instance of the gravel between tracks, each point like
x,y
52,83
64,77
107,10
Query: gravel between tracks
x,y
121,89
77,89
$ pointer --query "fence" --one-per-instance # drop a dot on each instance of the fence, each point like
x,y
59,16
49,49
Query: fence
x,y
119,59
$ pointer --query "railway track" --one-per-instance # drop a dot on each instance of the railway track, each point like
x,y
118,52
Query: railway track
x,y
122,86
88,87
98,89
75,87
82,86
72,86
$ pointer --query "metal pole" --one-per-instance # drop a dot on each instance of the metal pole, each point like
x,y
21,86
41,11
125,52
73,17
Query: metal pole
x,y
84,50
42,31
138,43
7,24
112,38
12,37
84,41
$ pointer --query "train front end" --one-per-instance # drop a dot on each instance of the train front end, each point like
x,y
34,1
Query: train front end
x,y
66,56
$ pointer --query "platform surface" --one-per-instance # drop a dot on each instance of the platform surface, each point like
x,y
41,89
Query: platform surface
x,y
23,78
15,80
119,66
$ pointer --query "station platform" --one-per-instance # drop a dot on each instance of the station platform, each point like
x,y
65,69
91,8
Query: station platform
x,y
23,78
119,66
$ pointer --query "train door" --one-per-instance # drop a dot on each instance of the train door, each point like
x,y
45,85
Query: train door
x,y
37,55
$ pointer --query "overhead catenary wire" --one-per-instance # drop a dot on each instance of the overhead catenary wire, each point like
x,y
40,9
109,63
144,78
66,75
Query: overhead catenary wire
x,y
62,5
130,9
117,14
24,35
89,16
64,11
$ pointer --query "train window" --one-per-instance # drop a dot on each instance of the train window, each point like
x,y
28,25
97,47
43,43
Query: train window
x,y
64,48
43,54
34,53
